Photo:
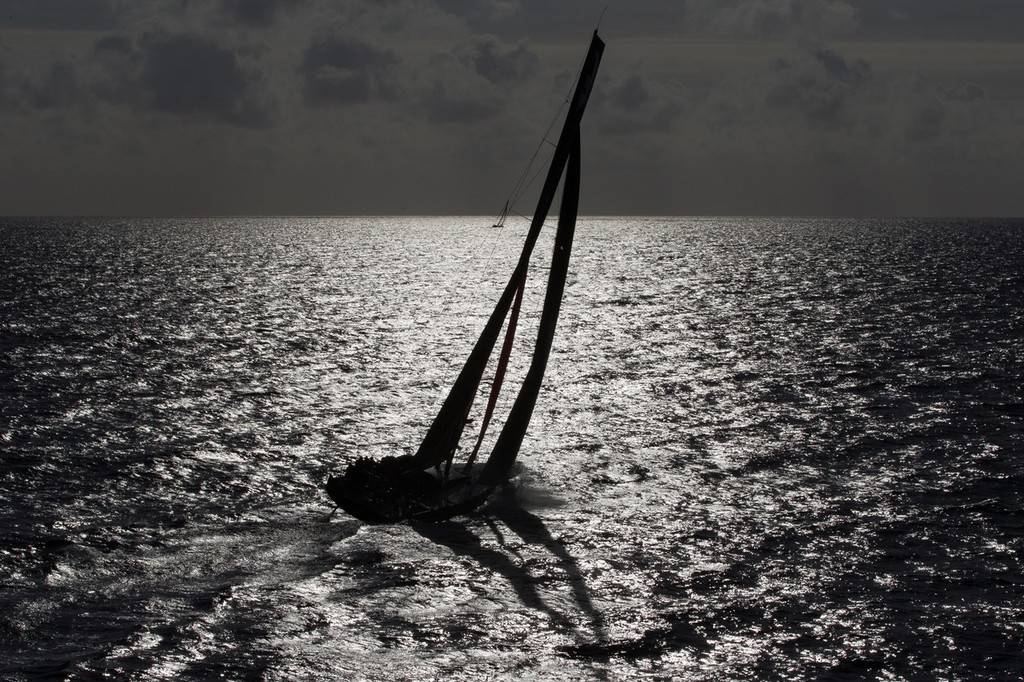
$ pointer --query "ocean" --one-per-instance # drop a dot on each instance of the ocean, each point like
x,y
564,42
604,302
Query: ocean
x,y
766,449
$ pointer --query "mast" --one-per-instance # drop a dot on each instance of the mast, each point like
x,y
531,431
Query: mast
x,y
443,435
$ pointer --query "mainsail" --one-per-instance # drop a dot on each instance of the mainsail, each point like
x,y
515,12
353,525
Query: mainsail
x,y
397,488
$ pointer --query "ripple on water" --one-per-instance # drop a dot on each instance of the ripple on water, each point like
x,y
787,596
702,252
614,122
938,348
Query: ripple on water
x,y
765,449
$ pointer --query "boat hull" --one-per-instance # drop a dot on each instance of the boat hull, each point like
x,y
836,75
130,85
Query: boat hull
x,y
389,491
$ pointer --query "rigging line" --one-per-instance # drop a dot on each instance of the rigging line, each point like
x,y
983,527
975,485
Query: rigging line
x,y
533,158
511,320
516,192
522,184
517,189
533,179
482,267
536,169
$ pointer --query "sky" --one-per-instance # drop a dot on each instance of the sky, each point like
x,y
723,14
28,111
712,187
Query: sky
x,y
382,107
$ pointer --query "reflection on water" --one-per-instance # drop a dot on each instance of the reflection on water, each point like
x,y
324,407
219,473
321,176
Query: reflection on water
x,y
765,449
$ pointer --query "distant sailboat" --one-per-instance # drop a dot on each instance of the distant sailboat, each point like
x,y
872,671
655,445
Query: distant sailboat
x,y
500,222
415,486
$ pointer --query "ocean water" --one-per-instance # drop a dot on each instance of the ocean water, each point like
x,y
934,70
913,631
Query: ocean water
x,y
766,449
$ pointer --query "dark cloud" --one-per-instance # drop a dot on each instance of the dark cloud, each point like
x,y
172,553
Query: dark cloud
x,y
925,124
191,74
660,120
817,108
749,18
754,103
966,93
58,14
574,19
54,86
3,79
339,70
630,105
819,84
630,93
259,13
114,45
811,88
765,18
484,14
57,88
987,19
116,78
496,62
735,18
443,108
465,84
183,75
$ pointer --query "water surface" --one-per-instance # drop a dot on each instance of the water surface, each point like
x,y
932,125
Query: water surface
x,y
765,449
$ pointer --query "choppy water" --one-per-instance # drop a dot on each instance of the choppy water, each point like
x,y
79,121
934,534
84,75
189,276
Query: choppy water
x,y
766,449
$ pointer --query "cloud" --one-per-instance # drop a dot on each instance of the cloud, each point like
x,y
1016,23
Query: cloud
x,y
56,88
987,19
774,18
191,74
118,45
115,75
340,70
818,19
816,106
444,108
496,62
422,96
54,84
3,76
631,104
481,13
59,14
819,84
183,75
257,13
631,93
466,83
451,91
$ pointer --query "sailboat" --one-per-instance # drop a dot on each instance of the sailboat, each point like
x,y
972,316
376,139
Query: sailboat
x,y
500,222
427,485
